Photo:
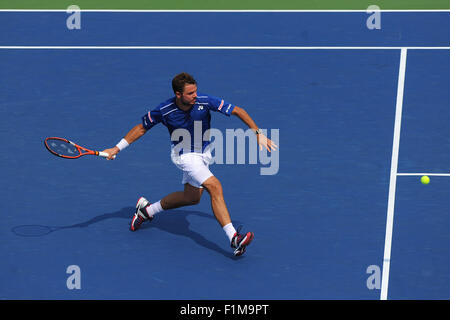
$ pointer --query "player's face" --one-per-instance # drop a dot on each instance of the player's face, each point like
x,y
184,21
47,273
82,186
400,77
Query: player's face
x,y
189,94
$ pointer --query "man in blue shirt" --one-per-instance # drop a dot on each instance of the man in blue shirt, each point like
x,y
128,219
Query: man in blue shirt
x,y
184,115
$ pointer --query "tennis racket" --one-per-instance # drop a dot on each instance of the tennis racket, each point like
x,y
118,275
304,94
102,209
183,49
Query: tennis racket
x,y
69,150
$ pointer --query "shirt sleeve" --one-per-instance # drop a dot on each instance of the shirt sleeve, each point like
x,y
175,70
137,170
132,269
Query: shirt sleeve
x,y
220,105
151,119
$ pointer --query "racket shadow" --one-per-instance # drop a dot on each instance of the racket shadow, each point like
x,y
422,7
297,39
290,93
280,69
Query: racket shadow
x,y
172,221
36,230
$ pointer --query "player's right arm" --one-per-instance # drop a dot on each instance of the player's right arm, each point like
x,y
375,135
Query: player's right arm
x,y
134,134
149,120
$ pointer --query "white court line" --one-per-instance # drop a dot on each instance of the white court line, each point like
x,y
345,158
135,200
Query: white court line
x,y
226,10
213,48
424,174
393,179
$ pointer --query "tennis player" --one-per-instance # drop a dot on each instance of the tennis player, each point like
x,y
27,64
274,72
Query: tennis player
x,y
185,111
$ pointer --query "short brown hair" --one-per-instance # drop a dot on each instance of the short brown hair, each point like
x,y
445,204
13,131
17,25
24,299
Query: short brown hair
x,y
180,80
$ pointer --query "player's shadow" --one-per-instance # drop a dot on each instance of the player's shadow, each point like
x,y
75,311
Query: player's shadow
x,y
171,221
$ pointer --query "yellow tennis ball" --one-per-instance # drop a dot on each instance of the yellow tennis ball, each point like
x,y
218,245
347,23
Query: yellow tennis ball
x,y
425,180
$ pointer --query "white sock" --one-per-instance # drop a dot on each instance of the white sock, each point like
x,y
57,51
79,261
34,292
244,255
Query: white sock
x,y
229,230
154,208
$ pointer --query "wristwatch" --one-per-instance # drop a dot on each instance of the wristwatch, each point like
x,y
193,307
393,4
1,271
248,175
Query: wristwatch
x,y
258,131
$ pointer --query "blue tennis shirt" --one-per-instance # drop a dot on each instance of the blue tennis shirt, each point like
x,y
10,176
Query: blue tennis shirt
x,y
198,116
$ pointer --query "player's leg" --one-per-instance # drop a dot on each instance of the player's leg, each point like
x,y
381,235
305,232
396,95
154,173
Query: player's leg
x,y
189,196
146,211
214,188
238,241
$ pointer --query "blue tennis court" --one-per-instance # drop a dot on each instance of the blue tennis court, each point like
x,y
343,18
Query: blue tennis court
x,y
319,222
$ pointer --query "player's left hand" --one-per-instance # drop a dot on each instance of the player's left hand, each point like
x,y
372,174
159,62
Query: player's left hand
x,y
263,141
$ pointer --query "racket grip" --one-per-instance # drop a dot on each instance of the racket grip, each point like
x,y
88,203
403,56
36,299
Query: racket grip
x,y
104,154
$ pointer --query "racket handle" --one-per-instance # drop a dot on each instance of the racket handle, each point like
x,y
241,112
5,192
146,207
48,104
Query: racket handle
x,y
104,154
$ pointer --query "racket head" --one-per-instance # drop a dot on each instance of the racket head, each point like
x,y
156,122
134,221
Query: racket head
x,y
62,148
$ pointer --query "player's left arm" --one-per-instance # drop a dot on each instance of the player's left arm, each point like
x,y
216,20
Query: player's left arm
x,y
263,141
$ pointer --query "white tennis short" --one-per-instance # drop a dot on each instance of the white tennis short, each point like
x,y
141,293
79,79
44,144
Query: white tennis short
x,y
195,167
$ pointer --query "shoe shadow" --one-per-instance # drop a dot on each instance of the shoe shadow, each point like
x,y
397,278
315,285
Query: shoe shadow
x,y
172,221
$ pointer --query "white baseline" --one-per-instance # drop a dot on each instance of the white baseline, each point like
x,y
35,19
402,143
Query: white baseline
x,y
216,48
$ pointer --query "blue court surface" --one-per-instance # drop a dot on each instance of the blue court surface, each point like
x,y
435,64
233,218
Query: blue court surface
x,y
320,222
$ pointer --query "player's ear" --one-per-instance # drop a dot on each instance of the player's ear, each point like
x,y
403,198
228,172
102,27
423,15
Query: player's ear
x,y
178,94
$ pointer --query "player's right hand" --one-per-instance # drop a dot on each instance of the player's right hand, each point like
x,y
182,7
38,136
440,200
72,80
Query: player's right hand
x,y
112,152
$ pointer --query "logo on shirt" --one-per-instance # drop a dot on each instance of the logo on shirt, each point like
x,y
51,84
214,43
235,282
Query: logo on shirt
x,y
200,108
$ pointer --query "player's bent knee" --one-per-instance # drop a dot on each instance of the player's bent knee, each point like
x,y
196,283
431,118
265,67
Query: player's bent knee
x,y
213,186
190,199
193,200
